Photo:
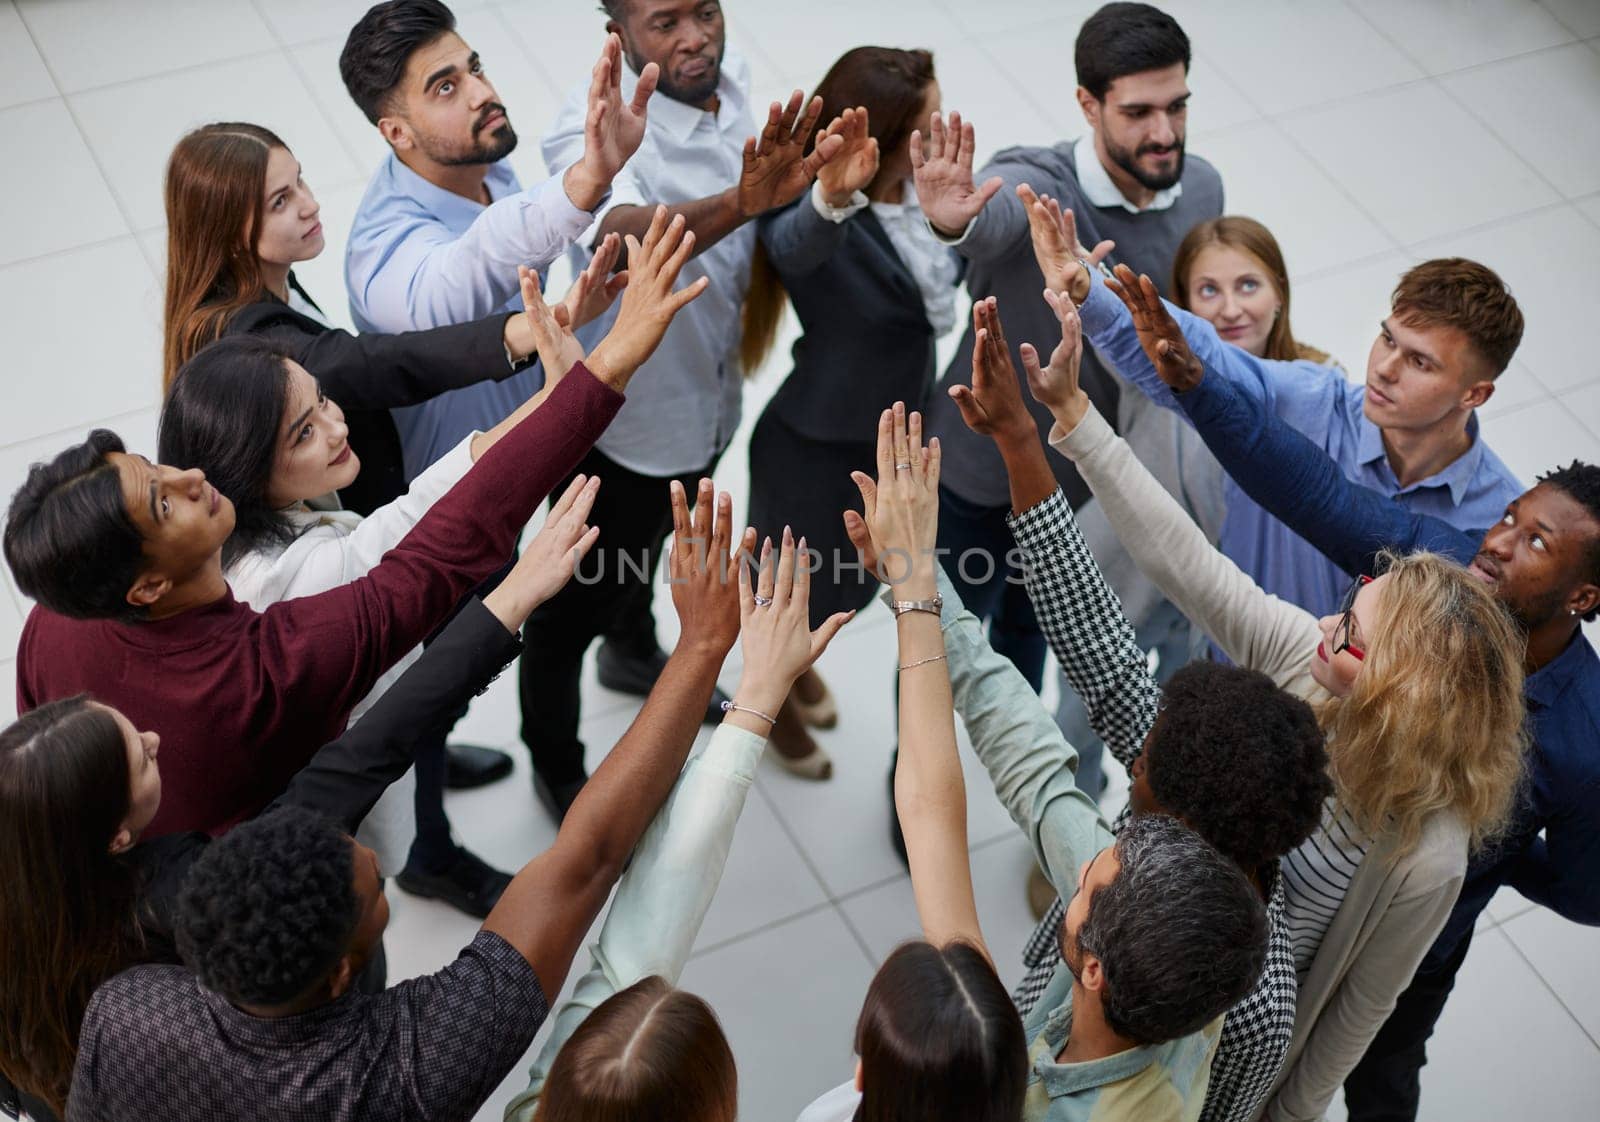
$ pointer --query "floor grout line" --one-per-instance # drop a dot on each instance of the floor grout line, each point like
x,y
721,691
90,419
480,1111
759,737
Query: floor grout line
x,y
1565,1008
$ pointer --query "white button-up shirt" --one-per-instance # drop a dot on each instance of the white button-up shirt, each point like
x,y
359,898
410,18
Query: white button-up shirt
x,y
683,405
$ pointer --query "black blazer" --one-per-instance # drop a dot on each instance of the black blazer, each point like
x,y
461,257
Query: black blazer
x,y
866,341
370,374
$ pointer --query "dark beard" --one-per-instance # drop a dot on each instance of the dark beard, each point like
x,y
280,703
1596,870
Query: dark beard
x,y
488,149
1127,161
702,91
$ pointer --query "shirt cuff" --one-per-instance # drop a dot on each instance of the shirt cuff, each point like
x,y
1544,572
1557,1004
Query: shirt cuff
x,y
733,752
944,239
836,214
1100,310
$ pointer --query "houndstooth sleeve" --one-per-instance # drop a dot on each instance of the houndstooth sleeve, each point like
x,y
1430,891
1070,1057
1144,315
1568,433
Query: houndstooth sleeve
x,y
1082,620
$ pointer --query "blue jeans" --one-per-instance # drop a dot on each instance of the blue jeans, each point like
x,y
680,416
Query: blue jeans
x,y
1166,631
982,563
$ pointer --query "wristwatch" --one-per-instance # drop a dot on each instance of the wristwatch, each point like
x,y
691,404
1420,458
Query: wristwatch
x,y
901,607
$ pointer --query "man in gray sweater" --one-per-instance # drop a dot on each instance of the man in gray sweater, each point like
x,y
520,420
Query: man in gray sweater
x,y
1128,180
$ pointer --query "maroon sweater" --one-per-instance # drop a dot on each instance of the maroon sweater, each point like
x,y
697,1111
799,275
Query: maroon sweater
x,y
242,699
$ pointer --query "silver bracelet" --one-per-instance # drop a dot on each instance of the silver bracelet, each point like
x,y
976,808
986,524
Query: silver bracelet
x,y
730,707
922,662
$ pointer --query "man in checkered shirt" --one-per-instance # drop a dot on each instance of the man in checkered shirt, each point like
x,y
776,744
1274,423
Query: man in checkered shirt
x,y
1221,748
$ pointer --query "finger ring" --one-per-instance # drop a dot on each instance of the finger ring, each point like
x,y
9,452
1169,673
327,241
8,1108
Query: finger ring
x,y
902,467
763,601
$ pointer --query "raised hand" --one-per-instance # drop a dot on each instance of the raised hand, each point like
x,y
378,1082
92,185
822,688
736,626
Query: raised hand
x,y
856,164
943,174
902,506
1062,258
1056,386
551,557
547,328
701,567
649,301
776,169
612,130
595,288
1159,334
774,629
993,404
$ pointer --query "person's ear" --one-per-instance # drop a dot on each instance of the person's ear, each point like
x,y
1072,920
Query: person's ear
x,y
1477,394
121,841
1090,107
397,133
343,976
1583,600
1091,973
148,590
859,1085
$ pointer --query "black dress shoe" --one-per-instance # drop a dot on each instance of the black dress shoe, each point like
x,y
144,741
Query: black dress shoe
x,y
558,798
467,884
469,765
637,675
897,838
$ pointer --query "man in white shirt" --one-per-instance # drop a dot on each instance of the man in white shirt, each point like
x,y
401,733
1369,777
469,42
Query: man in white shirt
x,y
698,157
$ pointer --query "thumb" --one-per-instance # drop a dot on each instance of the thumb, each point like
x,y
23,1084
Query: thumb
x,y
647,86
971,412
868,489
822,636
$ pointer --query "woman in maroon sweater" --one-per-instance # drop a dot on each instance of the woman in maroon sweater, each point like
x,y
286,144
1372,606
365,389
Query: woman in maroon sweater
x,y
124,558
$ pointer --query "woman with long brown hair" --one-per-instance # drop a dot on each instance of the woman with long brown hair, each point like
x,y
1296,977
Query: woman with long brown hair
x,y
239,218
873,291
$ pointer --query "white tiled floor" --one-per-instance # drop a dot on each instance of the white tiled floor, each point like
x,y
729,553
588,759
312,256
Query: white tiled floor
x,y
1369,134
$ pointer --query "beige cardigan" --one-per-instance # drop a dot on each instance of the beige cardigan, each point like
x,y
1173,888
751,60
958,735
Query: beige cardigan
x,y
1393,909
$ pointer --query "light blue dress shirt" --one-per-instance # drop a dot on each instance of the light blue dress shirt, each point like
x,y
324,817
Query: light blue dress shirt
x,y
420,256
1320,402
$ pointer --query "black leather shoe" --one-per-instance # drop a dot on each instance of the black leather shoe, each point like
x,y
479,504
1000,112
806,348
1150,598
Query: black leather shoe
x,y
469,765
558,798
637,675
897,838
467,884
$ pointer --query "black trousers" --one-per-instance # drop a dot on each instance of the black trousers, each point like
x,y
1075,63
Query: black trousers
x,y
610,596
1386,1086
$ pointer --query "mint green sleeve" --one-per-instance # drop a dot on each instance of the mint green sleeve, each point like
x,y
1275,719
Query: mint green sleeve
x,y
1030,763
663,898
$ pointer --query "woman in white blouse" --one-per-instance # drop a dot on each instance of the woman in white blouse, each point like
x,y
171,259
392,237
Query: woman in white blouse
x,y
266,435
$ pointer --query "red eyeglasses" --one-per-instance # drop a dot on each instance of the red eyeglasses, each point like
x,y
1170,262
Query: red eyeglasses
x,y
1341,631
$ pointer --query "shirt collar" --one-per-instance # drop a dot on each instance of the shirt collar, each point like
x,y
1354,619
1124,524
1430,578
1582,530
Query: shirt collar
x,y
1576,664
448,207
680,120
1457,475
1070,1079
1101,191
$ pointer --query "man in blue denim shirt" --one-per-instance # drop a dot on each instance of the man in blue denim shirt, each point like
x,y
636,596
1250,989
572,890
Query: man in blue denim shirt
x,y
1542,559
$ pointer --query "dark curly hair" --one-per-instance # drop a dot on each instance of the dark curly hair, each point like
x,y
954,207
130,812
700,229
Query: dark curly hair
x,y
1180,932
267,910
1581,482
1240,760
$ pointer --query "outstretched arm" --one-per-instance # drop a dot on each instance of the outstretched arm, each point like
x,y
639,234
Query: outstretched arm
x,y
1256,630
802,236
347,776
551,903
1080,616
776,171
665,894
901,517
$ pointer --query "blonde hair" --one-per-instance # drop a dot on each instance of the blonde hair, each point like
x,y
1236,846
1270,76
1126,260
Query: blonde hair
x,y
1433,721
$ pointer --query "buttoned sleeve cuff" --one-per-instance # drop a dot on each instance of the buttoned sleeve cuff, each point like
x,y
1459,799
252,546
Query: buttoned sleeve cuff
x,y
1101,309
836,214
625,191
